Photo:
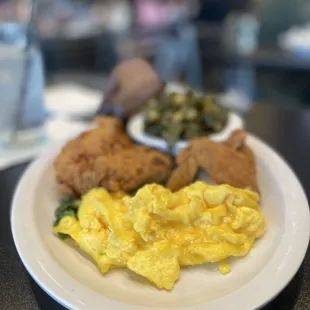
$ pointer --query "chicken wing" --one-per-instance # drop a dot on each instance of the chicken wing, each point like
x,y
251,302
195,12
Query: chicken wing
x,y
231,162
183,174
236,139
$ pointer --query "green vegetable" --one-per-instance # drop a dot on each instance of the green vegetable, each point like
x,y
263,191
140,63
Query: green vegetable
x,y
175,117
66,208
63,236
172,135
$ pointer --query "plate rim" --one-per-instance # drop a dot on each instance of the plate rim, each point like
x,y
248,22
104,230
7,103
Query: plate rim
x,y
70,296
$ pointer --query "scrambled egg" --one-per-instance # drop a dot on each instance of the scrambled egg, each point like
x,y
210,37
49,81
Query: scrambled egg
x,y
156,232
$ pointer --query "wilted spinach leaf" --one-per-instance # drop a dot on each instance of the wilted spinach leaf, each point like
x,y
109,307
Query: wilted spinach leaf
x,y
66,208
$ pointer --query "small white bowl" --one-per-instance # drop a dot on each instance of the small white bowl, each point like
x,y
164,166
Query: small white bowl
x,y
135,129
135,126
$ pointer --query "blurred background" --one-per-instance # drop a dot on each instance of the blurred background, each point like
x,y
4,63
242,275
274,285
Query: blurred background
x,y
247,50
259,48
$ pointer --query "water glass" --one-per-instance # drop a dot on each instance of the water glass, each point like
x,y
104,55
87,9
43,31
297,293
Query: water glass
x,y
22,111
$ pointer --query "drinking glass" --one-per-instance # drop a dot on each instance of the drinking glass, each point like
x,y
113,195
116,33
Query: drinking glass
x,y
22,111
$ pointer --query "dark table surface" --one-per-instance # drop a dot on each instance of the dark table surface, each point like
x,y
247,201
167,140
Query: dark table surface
x,y
286,129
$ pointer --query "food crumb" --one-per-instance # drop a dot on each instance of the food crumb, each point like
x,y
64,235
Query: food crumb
x,y
224,267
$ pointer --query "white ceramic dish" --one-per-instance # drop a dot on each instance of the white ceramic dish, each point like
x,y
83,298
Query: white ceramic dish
x,y
70,101
75,282
135,126
135,129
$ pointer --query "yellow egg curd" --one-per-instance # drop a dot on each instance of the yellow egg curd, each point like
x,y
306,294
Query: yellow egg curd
x,y
156,232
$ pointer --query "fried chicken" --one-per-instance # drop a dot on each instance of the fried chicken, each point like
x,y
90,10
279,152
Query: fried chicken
x,y
236,139
183,174
106,157
231,162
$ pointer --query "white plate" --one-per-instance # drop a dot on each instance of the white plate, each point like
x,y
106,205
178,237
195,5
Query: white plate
x,y
135,129
75,282
72,101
